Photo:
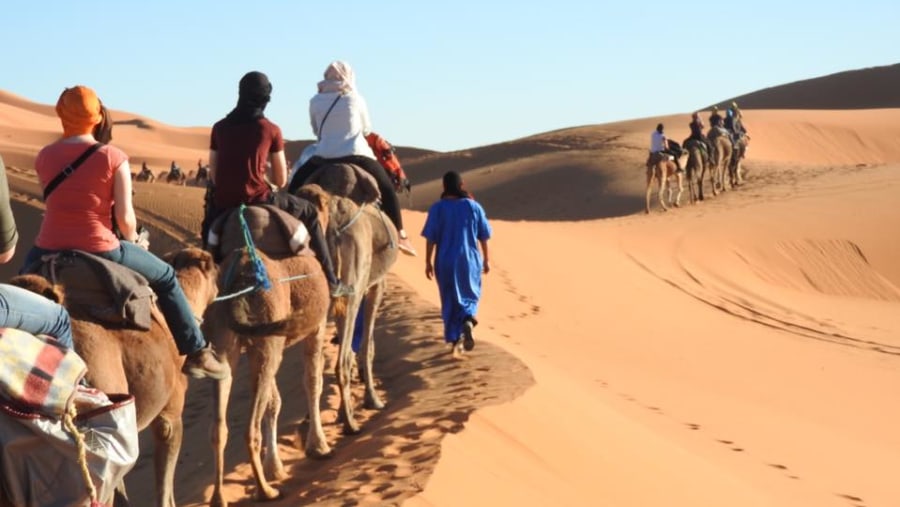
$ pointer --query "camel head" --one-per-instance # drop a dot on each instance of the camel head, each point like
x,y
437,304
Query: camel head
x,y
197,273
39,285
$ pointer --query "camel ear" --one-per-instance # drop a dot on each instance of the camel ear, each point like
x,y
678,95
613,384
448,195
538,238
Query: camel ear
x,y
39,285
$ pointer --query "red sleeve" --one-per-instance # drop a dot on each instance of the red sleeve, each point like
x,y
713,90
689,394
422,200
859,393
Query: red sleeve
x,y
277,139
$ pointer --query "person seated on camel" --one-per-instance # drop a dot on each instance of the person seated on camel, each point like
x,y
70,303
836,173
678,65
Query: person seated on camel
x,y
715,119
696,126
79,215
246,147
659,147
340,120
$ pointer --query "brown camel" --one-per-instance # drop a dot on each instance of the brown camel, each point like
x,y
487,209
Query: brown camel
x,y
145,364
722,162
363,242
176,176
659,167
695,169
735,171
264,323
145,175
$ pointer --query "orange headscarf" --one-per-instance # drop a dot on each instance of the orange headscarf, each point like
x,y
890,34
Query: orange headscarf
x,y
79,110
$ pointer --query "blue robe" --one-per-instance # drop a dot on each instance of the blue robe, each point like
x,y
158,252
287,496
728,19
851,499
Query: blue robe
x,y
456,226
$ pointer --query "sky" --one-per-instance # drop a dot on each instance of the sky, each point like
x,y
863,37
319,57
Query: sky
x,y
437,75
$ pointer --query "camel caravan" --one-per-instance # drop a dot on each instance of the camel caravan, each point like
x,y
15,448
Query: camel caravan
x,y
718,152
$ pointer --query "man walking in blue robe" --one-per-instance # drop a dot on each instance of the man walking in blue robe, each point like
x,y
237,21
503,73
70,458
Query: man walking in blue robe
x,y
455,228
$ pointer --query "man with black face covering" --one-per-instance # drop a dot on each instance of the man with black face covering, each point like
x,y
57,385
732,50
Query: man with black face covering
x,y
241,145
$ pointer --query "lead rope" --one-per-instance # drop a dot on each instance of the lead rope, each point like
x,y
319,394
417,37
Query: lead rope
x,y
69,423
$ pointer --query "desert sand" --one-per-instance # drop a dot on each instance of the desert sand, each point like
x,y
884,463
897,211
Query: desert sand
x,y
743,351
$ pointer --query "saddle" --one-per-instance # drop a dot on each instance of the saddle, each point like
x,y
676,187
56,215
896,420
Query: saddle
x,y
104,290
275,232
346,180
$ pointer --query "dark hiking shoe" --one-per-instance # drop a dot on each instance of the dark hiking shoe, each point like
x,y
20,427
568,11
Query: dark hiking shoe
x,y
468,340
204,364
340,289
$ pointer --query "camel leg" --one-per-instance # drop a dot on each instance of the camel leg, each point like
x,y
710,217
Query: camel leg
x,y
168,431
229,351
679,178
367,348
649,187
661,176
344,366
265,356
273,465
314,361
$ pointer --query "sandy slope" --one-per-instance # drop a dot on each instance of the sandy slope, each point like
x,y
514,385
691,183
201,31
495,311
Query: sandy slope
x,y
742,351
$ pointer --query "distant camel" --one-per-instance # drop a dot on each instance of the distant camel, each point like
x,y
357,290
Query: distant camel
x,y
202,175
176,175
660,167
735,171
723,149
265,323
143,363
695,169
363,242
145,175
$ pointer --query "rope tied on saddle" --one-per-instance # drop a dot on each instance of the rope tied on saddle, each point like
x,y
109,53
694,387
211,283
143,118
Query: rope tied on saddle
x,y
69,423
260,274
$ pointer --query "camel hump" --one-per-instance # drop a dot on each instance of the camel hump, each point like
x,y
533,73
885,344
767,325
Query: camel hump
x,y
272,230
346,180
103,290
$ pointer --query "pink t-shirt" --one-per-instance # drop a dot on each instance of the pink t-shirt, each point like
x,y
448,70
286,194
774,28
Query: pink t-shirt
x,y
79,211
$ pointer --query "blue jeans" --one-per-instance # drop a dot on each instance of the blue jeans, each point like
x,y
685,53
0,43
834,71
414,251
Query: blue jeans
x,y
24,310
170,298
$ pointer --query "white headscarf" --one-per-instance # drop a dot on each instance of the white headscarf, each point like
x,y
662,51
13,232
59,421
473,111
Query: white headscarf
x,y
338,78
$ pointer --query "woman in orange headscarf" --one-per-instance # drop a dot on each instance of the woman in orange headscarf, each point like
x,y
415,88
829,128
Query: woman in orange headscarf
x,y
79,216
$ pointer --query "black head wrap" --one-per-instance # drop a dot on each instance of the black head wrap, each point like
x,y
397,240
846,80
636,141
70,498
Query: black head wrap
x,y
254,92
453,186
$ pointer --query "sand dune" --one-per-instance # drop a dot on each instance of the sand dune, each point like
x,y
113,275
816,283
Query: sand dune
x,y
741,352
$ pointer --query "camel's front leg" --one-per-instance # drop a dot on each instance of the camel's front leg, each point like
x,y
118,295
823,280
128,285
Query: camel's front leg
x,y
661,176
649,187
314,370
265,356
367,348
679,177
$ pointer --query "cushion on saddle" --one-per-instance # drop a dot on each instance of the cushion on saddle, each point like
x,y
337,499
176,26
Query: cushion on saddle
x,y
105,290
37,372
272,230
346,180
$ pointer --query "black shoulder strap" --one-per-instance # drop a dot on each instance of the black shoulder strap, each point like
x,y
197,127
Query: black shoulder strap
x,y
70,169
322,123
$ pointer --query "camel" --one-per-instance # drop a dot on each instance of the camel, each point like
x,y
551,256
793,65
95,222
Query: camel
x,y
145,175
202,175
695,169
145,364
659,167
363,242
264,323
721,163
176,176
735,171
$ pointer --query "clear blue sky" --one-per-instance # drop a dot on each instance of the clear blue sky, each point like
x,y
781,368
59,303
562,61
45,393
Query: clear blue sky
x,y
438,75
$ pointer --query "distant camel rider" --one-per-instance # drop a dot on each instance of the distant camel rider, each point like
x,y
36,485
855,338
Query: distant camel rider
x,y
696,126
659,147
715,119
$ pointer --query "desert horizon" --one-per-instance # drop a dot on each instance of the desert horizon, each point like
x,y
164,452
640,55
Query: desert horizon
x,y
739,351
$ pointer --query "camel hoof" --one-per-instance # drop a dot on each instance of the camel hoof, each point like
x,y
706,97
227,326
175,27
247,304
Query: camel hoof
x,y
351,429
319,455
268,494
373,404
